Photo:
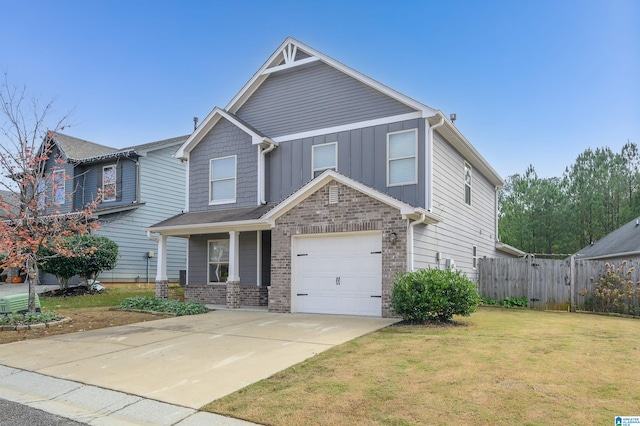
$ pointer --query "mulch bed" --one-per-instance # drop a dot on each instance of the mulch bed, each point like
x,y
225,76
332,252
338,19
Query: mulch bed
x,y
69,292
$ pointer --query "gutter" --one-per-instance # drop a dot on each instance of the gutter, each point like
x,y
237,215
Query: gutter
x,y
262,174
428,152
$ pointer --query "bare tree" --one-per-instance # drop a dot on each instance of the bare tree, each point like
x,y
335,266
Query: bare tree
x,y
35,178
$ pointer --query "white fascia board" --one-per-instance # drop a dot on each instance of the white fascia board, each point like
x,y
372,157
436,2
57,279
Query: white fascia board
x,y
260,76
430,218
469,152
327,176
347,127
211,228
506,248
612,255
212,119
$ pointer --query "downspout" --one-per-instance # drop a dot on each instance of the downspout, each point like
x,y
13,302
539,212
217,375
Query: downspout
x,y
137,162
428,162
262,174
422,219
497,237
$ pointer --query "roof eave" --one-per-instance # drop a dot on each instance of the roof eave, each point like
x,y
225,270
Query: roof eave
x,y
210,228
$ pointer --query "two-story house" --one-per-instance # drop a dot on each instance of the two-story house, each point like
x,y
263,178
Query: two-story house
x,y
316,184
141,185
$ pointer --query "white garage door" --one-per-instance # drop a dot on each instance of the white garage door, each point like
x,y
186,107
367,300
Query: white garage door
x,y
337,274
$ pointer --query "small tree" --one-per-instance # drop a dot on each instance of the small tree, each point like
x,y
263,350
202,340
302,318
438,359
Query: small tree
x,y
84,255
32,218
433,294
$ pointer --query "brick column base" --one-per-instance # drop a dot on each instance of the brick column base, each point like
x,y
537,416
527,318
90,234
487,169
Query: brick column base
x,y
233,294
162,289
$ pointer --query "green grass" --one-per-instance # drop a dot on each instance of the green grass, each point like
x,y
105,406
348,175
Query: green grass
x,y
109,297
503,367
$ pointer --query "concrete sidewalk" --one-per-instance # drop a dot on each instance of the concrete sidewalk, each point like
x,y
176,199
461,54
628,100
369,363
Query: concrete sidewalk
x,y
182,362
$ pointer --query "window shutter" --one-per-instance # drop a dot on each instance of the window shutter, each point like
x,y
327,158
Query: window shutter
x,y
119,182
98,180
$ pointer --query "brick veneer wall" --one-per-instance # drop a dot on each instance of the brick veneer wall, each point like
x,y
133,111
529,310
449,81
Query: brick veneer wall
x,y
216,294
354,211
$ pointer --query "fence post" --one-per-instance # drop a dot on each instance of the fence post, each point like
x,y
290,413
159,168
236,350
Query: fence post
x,y
529,281
572,283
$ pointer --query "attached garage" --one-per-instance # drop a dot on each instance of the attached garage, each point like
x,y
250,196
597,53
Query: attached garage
x,y
339,273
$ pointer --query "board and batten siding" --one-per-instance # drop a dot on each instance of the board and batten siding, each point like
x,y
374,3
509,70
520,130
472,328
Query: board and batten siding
x,y
362,156
314,96
225,139
463,226
198,262
162,194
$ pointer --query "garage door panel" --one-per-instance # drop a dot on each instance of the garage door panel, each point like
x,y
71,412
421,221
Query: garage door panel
x,y
337,274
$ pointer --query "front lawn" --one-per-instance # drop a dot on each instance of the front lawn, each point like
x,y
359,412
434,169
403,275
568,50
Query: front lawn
x,y
501,367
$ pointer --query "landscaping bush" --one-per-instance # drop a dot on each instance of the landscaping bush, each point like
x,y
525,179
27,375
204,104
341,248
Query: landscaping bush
x,y
433,294
516,302
615,292
163,305
27,318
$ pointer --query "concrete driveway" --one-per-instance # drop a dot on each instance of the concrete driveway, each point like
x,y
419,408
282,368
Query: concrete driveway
x,y
187,361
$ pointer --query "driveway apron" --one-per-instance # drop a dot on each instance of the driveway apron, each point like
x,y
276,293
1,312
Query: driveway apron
x,y
191,360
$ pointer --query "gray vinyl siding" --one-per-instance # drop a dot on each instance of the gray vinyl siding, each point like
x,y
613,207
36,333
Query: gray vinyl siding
x,y
362,156
89,180
223,140
314,96
161,196
463,226
198,250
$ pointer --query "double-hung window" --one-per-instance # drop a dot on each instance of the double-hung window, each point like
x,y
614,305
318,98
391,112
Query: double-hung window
x,y
402,152
222,181
324,157
58,187
41,194
109,179
467,183
218,260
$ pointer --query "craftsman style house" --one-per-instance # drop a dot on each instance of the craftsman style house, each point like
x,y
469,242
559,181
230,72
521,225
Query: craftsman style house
x,y
315,185
141,185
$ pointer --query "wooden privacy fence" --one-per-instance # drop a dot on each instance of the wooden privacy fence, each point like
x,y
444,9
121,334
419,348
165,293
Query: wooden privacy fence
x,y
547,284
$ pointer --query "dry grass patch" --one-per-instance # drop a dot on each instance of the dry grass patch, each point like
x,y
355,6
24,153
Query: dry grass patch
x,y
503,367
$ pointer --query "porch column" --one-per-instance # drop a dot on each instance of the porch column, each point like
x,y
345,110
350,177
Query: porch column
x,y
162,282
233,280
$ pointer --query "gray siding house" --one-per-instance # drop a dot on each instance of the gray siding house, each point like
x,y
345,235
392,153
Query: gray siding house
x,y
315,185
142,185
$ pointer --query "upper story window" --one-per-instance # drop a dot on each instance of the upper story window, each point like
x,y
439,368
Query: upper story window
x,y
402,151
474,257
324,157
467,183
58,187
41,194
109,179
222,180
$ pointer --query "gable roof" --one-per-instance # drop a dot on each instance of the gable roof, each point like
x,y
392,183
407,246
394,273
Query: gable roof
x,y
76,150
209,122
327,176
624,241
292,53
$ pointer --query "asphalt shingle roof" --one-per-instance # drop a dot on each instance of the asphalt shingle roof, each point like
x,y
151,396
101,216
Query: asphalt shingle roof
x,y
625,239
215,216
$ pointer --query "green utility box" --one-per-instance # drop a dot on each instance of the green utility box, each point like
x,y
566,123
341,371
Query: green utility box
x,y
17,303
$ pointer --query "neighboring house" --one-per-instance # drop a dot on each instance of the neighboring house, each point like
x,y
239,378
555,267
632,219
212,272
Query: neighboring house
x,y
315,185
10,201
141,184
621,244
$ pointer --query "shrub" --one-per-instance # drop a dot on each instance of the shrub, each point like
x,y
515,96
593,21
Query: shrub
x,y
516,302
163,305
433,294
615,291
490,301
27,318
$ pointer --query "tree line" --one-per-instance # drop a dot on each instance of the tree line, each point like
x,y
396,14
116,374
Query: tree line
x,y
597,194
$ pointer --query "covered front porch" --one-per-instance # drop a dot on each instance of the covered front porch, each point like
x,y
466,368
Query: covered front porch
x,y
228,261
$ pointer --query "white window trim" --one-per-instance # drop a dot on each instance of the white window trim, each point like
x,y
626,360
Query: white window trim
x,y
115,195
470,184
313,150
235,181
209,261
63,187
415,159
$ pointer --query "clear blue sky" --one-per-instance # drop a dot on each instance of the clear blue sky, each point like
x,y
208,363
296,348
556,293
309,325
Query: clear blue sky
x,y
532,82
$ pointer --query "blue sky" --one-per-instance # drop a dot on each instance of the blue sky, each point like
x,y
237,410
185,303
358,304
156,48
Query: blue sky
x,y
532,82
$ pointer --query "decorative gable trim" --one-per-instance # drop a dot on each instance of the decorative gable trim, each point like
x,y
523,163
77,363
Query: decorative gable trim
x,y
288,55
406,210
208,124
